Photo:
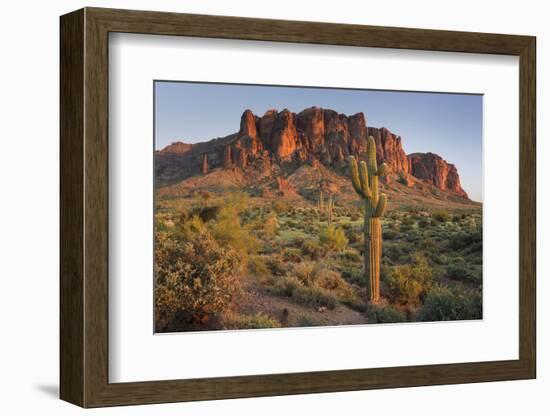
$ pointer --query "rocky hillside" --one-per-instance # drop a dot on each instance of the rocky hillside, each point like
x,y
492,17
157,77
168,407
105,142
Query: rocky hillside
x,y
280,143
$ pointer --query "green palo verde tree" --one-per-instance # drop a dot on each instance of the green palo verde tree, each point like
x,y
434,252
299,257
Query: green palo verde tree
x,y
365,182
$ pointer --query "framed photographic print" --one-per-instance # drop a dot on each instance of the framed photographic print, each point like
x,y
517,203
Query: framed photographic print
x,y
256,207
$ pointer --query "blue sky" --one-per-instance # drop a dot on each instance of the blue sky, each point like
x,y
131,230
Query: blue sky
x,y
447,124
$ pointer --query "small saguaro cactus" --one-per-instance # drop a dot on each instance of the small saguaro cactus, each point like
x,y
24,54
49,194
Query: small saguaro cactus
x,y
321,202
329,209
365,182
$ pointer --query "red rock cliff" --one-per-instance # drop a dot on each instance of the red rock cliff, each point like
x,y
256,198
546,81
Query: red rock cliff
x,y
433,169
314,135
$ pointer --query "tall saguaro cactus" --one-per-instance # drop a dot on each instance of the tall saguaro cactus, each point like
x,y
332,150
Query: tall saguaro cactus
x,y
365,182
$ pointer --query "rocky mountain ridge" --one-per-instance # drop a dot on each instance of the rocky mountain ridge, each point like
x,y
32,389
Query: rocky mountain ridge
x,y
314,136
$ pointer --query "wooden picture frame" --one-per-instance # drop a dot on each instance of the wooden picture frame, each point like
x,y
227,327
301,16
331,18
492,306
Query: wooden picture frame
x,y
84,207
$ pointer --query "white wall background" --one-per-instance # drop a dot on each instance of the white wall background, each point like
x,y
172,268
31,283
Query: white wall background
x,y
29,85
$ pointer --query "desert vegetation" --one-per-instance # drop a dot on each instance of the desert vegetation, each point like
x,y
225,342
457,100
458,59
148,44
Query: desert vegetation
x,y
232,261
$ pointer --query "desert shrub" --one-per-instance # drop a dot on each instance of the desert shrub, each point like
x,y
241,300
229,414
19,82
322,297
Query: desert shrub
x,y
354,275
292,255
305,319
444,304
333,238
257,266
408,284
384,314
389,234
397,252
429,245
441,215
461,240
408,220
315,297
298,241
476,257
275,266
292,287
313,249
305,272
228,231
331,280
351,255
458,271
292,224
413,235
353,235
195,279
285,285
205,213
279,207
438,258
424,223
256,321
190,228
314,285
402,180
271,226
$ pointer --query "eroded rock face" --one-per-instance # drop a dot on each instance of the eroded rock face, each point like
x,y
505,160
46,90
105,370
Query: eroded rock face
x,y
284,187
390,150
313,136
284,136
433,169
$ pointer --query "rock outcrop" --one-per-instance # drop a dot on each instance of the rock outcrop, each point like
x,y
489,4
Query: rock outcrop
x,y
436,171
313,136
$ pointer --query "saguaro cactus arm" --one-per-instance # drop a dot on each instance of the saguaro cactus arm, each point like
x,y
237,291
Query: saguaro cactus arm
x,y
381,206
382,169
364,177
371,156
360,184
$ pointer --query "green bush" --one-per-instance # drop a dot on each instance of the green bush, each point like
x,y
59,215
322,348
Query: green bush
x,y
292,255
408,284
271,226
285,286
314,285
424,223
463,240
195,280
384,314
441,215
257,266
458,272
397,252
280,207
228,229
444,304
315,297
389,234
305,319
313,249
256,321
351,256
333,238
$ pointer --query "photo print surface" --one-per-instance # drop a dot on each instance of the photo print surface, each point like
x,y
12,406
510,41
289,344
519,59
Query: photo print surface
x,y
281,206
